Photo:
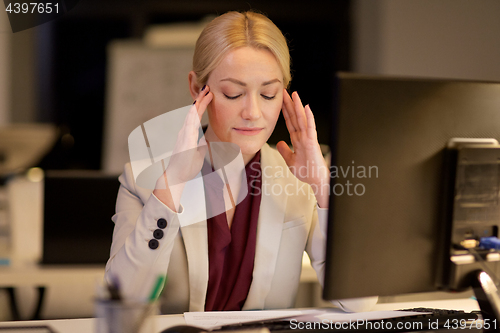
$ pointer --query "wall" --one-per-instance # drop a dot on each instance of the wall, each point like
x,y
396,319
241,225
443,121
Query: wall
x,y
446,38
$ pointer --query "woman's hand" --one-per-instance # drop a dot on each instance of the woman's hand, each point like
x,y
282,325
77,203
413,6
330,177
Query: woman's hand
x,y
188,155
306,161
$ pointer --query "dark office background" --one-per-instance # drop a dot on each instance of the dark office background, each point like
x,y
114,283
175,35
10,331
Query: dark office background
x,y
71,61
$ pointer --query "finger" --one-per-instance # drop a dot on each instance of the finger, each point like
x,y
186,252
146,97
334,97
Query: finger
x,y
192,122
299,112
285,151
291,130
203,99
189,133
200,96
196,111
311,123
207,99
290,107
288,121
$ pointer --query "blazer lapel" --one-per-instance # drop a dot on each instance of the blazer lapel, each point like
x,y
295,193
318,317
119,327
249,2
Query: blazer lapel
x,y
269,228
194,234
196,244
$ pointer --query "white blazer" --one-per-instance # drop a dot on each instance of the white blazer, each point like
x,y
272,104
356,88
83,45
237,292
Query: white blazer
x,y
289,222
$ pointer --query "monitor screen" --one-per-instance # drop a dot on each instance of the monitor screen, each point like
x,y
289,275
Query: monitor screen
x,y
388,141
78,206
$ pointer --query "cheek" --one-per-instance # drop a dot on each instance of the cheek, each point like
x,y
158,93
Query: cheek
x,y
273,111
218,113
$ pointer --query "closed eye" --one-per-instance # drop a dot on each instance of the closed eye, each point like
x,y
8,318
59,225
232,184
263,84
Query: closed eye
x,y
232,97
268,97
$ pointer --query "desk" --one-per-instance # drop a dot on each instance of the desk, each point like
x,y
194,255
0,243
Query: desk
x,y
45,277
162,322
57,276
87,325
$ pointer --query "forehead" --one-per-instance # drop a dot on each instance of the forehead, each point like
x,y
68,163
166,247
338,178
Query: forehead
x,y
248,64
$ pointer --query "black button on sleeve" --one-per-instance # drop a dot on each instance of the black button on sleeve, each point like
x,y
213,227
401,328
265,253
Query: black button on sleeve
x,y
153,244
162,223
158,234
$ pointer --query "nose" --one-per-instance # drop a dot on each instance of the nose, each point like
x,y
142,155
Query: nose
x,y
251,109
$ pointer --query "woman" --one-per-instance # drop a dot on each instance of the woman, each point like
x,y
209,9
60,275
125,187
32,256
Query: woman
x,y
250,256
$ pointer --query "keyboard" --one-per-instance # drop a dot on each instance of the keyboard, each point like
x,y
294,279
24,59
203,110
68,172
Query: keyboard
x,y
432,320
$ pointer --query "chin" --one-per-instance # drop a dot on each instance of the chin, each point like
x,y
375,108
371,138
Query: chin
x,y
250,148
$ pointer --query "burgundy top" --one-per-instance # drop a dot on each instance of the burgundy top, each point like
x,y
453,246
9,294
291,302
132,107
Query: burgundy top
x,y
231,252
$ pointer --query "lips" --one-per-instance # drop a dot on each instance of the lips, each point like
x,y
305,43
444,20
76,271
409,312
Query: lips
x,y
248,130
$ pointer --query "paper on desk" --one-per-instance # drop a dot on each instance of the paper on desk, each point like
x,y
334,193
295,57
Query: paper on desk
x,y
337,315
214,319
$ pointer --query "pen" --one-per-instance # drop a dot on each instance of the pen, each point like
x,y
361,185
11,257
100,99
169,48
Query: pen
x,y
155,292
156,288
114,289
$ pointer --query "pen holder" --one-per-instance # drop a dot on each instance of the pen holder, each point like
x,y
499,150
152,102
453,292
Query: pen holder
x,y
125,317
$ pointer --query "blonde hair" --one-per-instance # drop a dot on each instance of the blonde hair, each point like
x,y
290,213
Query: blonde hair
x,y
233,30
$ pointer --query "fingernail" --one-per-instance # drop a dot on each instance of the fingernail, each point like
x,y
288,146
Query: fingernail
x,y
203,87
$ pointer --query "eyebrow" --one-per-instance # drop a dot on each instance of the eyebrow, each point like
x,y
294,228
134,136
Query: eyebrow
x,y
243,84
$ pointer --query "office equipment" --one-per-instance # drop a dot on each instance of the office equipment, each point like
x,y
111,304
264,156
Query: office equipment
x,y
78,206
387,198
409,320
125,316
22,146
25,194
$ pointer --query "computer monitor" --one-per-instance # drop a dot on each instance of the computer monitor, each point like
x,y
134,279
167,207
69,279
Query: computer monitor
x,y
77,226
388,207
